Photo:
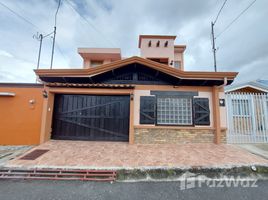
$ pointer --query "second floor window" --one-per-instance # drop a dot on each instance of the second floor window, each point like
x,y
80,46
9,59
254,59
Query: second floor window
x,y
95,63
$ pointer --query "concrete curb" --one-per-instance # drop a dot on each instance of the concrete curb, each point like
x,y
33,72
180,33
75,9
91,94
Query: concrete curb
x,y
176,173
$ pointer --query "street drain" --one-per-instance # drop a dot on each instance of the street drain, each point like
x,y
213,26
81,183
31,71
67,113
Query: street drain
x,y
58,174
34,154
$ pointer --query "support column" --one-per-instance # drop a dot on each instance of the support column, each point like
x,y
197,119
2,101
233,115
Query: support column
x,y
131,120
216,115
47,112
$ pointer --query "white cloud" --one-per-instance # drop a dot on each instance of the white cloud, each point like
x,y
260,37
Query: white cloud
x,y
118,23
5,53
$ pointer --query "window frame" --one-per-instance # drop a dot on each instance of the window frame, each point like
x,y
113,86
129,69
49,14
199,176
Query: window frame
x,y
178,97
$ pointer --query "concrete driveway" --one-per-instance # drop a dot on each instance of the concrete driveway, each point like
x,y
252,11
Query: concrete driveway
x,y
118,155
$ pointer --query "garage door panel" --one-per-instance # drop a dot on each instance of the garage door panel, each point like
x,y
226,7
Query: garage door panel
x,y
90,117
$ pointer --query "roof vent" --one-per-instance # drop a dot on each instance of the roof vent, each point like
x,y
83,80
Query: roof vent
x,y
158,43
166,43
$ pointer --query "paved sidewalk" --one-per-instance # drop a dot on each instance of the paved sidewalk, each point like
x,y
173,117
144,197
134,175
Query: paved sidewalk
x,y
258,149
8,152
85,154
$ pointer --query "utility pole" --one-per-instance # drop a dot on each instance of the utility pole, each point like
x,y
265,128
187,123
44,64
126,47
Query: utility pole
x,y
39,37
53,45
54,34
40,47
213,46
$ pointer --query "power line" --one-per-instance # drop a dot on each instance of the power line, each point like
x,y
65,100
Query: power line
x,y
20,16
32,24
238,16
213,36
219,12
86,20
60,50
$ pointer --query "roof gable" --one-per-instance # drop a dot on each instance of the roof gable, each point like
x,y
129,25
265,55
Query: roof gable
x,y
256,85
135,73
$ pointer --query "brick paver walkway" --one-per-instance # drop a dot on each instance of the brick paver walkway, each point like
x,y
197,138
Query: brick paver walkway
x,y
80,154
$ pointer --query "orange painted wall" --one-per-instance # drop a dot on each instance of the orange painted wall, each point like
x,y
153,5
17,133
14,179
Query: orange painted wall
x,y
20,122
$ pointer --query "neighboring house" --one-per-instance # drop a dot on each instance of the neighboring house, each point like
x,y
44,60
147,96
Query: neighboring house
x,y
146,99
256,86
247,105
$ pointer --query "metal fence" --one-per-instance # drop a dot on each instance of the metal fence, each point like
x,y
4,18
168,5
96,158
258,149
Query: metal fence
x,y
247,115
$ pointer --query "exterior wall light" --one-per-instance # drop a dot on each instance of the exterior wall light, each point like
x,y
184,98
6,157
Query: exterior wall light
x,y
7,94
45,95
31,101
131,97
222,102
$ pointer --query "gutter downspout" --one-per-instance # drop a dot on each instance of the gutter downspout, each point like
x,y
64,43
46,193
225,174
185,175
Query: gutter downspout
x,y
224,83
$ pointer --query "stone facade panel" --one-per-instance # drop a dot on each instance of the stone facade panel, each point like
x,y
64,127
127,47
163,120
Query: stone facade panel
x,y
175,136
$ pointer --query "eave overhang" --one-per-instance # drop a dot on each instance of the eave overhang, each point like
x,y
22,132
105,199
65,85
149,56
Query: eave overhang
x,y
85,74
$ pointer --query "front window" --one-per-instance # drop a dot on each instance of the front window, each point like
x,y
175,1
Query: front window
x,y
174,111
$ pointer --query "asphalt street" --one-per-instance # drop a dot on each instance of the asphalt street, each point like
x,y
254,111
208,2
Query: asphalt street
x,y
76,190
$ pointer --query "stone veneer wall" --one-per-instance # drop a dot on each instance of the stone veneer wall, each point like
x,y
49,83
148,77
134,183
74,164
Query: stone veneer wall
x,y
224,136
175,136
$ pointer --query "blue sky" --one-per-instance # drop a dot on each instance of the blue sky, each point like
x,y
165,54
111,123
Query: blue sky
x,y
118,23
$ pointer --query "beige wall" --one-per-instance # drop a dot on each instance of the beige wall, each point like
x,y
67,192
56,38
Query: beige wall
x,y
161,51
157,52
139,93
223,112
179,57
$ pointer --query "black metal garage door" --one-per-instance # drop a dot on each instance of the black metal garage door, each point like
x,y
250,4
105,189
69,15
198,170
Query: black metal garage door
x,y
91,117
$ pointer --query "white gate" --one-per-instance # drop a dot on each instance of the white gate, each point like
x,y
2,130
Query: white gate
x,y
247,118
